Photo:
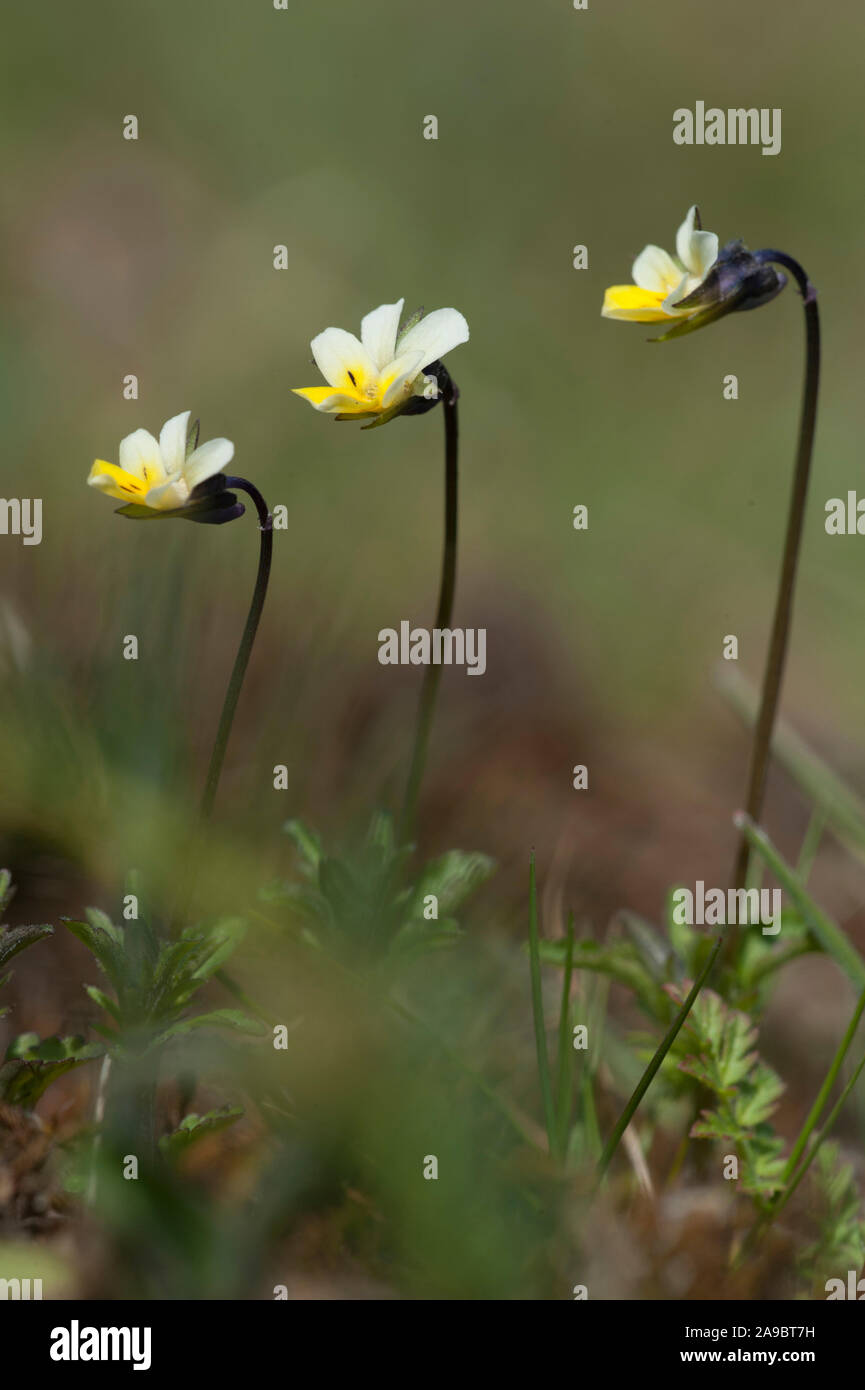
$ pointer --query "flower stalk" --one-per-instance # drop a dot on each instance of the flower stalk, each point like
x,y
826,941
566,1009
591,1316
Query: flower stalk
x,y
241,661
448,394
784,603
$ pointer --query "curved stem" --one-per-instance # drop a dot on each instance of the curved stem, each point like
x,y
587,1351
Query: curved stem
x,y
432,675
241,661
784,603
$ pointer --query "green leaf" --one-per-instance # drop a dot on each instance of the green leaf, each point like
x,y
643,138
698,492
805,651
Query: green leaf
x,y
452,878
100,998
621,961
417,939
15,939
757,1100
32,1065
217,1018
101,922
726,1039
105,942
307,843
192,1128
7,892
222,941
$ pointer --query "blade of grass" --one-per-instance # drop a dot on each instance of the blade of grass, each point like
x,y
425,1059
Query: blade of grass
x,y
811,842
565,1061
825,1090
830,936
822,1135
538,1012
654,1065
793,1182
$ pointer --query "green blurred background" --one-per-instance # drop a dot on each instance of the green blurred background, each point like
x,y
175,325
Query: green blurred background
x,y
304,127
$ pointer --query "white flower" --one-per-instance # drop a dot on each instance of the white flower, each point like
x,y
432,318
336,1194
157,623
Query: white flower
x,y
379,371
660,280
156,473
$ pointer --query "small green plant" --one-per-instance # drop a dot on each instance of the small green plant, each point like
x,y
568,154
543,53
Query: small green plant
x,y
360,908
840,1221
717,1049
14,939
154,982
707,1056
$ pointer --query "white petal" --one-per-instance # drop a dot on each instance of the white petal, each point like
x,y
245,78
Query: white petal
x,y
207,459
698,251
140,456
438,333
401,373
167,496
704,250
172,442
655,270
340,356
378,332
683,238
686,285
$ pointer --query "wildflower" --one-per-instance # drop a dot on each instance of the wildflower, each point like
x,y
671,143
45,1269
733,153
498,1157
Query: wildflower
x,y
173,476
700,284
388,371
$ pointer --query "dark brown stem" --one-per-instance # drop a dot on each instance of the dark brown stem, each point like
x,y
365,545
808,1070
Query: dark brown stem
x,y
774,673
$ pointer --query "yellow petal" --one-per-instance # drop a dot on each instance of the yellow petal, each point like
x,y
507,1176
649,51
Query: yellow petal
x,y
633,305
116,482
326,399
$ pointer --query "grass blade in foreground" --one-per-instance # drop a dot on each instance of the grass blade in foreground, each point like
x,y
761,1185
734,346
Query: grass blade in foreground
x,y
825,1090
538,1011
652,1069
565,1060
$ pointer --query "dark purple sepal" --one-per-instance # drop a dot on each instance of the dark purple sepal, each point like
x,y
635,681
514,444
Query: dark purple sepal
x,y
738,280
209,504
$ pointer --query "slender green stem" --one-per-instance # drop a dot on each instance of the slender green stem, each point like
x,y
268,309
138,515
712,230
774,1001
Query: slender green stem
x,y
830,936
845,811
538,1012
811,843
780,1202
241,661
825,1090
232,694
432,675
784,602
651,1070
564,1067
590,1113
821,1137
